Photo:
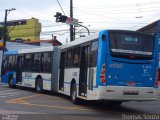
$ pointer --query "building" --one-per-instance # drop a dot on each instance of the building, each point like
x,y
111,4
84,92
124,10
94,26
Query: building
x,y
153,28
50,42
23,30
44,43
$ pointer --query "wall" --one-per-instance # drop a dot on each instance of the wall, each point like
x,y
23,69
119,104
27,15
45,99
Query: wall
x,y
25,29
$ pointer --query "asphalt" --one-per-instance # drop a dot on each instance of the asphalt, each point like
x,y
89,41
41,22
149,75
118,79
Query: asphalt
x,y
26,104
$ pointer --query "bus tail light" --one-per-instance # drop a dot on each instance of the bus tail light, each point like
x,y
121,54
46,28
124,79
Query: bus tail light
x,y
157,78
102,75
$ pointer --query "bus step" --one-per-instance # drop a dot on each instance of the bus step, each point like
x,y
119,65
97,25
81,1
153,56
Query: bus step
x,y
82,97
19,83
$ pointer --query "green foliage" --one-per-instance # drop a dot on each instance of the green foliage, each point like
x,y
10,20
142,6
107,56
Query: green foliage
x,y
1,33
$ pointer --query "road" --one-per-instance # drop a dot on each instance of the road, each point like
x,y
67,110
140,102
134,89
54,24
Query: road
x,y
24,104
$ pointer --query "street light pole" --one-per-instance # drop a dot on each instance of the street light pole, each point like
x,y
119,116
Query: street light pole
x,y
5,26
85,27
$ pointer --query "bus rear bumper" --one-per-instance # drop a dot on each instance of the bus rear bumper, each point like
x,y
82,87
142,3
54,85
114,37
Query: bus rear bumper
x,y
128,93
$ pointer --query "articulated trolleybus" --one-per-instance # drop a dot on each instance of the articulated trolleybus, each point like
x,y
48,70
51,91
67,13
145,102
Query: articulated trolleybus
x,y
110,65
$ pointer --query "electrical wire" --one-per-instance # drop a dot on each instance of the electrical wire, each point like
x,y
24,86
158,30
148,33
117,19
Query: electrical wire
x,y
145,7
60,6
120,5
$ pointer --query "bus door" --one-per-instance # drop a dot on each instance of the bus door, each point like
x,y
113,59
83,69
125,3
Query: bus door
x,y
83,70
62,67
20,61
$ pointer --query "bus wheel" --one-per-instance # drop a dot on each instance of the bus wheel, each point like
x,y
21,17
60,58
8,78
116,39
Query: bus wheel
x,y
39,85
74,98
10,82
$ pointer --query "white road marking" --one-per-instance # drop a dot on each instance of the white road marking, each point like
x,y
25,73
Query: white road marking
x,y
13,93
3,96
16,112
4,85
5,91
10,92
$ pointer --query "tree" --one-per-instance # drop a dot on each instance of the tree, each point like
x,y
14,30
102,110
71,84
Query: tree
x,y
1,33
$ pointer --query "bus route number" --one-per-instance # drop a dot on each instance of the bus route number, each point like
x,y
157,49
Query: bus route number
x,y
74,74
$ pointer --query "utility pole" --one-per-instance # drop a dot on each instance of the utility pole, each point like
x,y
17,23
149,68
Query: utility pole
x,y
5,26
5,29
69,20
71,26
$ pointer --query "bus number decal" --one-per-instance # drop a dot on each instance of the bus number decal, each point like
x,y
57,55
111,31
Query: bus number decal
x,y
116,65
74,74
28,75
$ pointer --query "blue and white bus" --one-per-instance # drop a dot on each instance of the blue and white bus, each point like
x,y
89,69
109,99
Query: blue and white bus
x,y
9,66
110,65
31,68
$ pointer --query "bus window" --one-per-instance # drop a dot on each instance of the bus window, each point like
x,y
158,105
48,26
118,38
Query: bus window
x,y
46,62
11,62
27,62
76,57
5,63
131,46
4,59
49,63
94,46
69,58
93,54
14,59
36,62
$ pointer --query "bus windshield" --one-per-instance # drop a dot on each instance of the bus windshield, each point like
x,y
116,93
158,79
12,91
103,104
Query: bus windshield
x,y
131,45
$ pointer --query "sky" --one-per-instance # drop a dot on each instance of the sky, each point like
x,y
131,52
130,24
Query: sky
x,y
94,14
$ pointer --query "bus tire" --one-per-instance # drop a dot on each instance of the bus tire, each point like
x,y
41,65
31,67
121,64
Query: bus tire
x,y
74,98
10,82
39,85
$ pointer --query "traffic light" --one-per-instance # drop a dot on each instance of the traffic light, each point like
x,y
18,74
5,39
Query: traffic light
x,y
60,17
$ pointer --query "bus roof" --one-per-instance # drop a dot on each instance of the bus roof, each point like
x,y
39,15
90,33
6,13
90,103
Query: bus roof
x,y
33,50
95,36
11,52
81,40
